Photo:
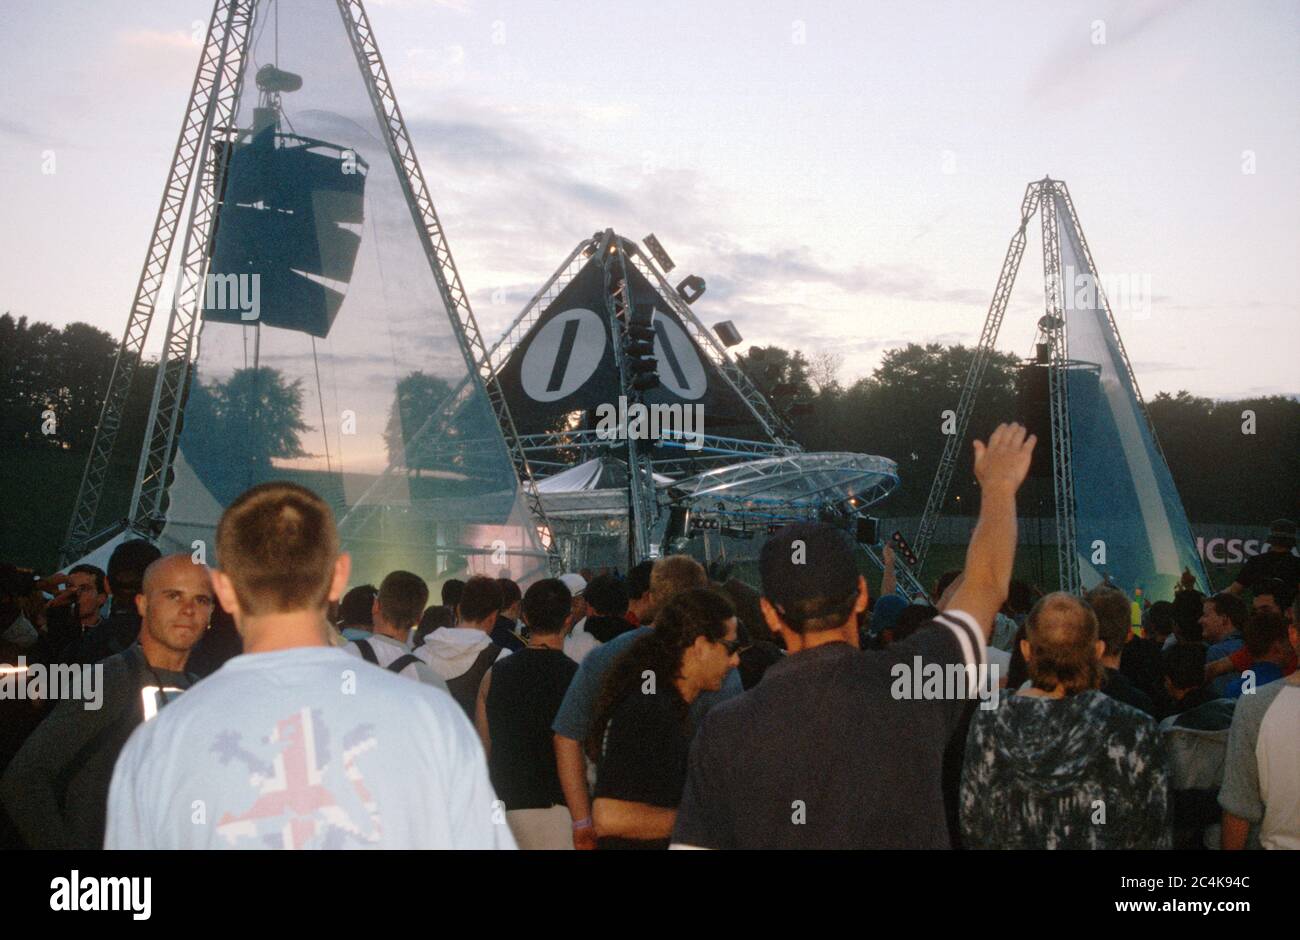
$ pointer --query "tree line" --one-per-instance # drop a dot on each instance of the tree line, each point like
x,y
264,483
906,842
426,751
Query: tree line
x,y
1233,461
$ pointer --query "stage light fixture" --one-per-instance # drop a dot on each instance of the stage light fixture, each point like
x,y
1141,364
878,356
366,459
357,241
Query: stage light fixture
x,y
728,333
902,548
657,250
691,288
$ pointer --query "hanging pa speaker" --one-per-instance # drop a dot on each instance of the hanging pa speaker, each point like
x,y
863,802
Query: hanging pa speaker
x,y
1034,411
868,530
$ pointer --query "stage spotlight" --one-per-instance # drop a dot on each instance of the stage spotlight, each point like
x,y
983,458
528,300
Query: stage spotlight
x,y
728,333
661,256
902,548
639,348
679,523
691,288
274,80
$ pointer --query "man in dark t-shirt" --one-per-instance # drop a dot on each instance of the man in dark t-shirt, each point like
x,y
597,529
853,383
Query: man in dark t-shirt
x,y
1113,613
1277,562
646,751
843,748
516,704
56,787
503,632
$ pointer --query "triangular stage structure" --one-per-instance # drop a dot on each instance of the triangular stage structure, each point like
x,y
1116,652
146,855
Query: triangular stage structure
x,y
319,330
1118,514
607,331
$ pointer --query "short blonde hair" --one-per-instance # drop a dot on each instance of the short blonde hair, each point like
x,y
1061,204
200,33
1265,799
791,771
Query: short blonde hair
x,y
674,574
1062,635
278,543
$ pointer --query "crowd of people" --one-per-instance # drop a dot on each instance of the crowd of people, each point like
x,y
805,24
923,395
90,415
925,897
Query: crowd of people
x,y
268,703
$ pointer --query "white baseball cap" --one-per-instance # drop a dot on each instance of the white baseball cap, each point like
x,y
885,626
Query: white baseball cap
x,y
576,583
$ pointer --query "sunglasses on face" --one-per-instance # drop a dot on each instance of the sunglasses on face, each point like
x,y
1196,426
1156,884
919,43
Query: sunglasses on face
x,y
732,646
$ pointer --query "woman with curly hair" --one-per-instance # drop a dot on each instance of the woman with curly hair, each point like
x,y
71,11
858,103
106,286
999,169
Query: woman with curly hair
x,y
640,739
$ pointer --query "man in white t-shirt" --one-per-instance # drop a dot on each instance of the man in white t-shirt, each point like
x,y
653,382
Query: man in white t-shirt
x,y
296,744
1261,772
397,607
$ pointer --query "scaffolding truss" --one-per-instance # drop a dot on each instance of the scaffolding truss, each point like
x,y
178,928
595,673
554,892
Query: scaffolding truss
x,y
198,160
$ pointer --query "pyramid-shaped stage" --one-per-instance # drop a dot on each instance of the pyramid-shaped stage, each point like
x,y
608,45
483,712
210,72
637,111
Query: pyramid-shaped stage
x,y
320,331
608,334
1119,518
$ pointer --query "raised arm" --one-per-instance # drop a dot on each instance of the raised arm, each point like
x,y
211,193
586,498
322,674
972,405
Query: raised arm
x,y
1000,467
889,579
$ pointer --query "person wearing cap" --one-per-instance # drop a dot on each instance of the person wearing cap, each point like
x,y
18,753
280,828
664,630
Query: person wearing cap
x,y
885,614
1277,562
578,643
829,750
600,614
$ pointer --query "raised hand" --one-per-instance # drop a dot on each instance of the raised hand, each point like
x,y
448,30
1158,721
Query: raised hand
x,y
1003,463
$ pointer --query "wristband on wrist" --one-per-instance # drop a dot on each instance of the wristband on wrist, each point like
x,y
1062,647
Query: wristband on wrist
x,y
582,823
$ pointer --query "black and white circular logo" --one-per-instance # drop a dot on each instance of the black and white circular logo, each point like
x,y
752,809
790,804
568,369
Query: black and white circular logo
x,y
680,369
563,355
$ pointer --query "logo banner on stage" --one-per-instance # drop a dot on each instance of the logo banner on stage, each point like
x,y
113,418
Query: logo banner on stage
x,y
565,363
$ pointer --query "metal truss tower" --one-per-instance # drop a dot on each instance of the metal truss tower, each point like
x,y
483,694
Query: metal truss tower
x,y
1045,195
211,103
975,375
196,162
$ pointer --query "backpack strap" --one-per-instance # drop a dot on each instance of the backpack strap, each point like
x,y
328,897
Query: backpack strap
x,y
367,651
464,688
401,662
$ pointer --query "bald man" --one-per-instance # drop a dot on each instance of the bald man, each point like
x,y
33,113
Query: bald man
x,y
56,788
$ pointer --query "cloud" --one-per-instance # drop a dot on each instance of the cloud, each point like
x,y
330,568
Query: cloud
x,y
1149,366
456,6
157,39
744,272
11,128
1079,64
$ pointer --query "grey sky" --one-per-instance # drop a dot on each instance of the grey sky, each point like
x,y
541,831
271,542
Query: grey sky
x,y
844,175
